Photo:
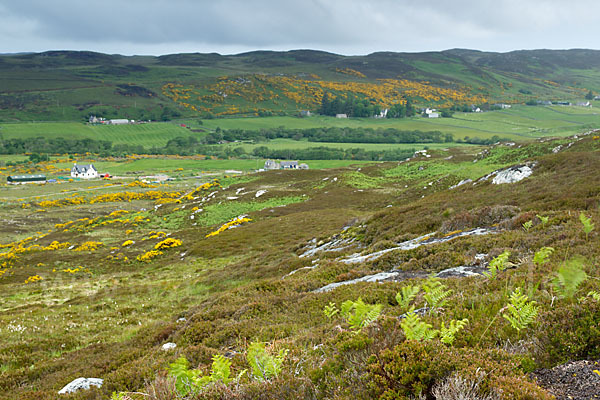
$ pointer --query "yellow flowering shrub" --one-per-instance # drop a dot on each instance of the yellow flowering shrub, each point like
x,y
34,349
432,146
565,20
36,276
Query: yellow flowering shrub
x,y
56,245
88,246
231,224
149,255
167,244
33,278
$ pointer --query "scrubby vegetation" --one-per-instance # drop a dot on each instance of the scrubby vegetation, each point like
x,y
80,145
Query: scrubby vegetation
x,y
232,272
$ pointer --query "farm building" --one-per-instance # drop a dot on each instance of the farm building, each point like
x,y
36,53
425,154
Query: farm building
x,y
119,121
270,165
84,171
341,115
26,178
431,115
289,164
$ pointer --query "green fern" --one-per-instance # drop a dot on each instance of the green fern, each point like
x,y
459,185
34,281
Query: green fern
x,y
186,380
264,365
330,310
448,335
594,295
568,278
499,263
406,295
436,293
541,256
190,380
588,225
544,220
358,314
527,225
520,312
415,329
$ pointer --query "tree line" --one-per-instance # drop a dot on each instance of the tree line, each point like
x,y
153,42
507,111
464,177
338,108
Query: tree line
x,y
39,148
354,107
331,135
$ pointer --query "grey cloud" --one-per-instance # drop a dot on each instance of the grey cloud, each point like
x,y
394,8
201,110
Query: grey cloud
x,y
345,26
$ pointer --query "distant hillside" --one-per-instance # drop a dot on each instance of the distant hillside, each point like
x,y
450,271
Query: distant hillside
x,y
71,85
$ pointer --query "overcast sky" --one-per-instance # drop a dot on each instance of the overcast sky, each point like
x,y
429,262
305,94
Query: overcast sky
x,y
340,26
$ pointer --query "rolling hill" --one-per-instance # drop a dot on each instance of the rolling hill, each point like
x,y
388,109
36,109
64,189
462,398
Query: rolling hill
x,y
71,85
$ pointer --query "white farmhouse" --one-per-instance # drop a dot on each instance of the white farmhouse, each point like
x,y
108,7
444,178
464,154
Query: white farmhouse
x,y
84,171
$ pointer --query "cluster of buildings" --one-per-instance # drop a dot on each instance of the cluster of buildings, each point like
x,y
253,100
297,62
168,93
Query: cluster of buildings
x,y
98,120
270,165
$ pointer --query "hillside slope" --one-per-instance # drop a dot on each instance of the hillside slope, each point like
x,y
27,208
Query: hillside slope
x,y
67,85
95,282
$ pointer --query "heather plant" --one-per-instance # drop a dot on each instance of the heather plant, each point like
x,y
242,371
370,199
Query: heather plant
x,y
568,278
520,311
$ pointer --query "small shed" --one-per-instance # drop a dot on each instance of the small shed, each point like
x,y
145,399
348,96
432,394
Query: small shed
x,y
26,178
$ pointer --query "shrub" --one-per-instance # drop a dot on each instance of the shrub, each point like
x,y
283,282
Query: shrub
x,y
413,368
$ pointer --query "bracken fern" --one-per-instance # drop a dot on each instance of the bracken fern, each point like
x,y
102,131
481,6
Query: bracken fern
x,y
436,293
520,312
406,295
568,278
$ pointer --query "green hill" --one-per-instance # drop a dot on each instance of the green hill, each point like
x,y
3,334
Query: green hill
x,y
70,86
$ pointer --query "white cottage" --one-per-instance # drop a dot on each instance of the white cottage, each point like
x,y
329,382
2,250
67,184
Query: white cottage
x,y
84,171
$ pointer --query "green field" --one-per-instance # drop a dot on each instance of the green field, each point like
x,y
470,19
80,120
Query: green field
x,y
517,123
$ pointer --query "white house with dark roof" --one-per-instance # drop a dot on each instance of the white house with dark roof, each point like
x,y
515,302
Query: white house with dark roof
x,y
84,171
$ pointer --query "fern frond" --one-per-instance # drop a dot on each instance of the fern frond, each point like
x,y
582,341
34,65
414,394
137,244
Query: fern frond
x,y
436,293
221,369
415,329
499,263
594,295
406,295
330,310
360,314
541,256
587,223
568,277
543,219
448,335
520,312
